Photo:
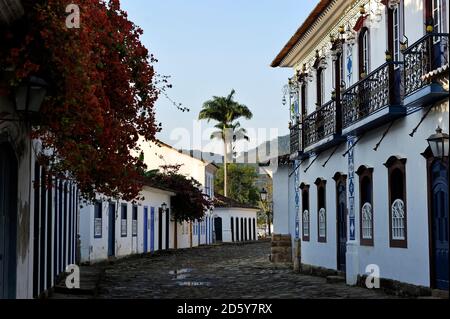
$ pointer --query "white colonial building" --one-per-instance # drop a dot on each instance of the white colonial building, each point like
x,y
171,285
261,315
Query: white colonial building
x,y
112,228
159,154
38,213
234,221
370,87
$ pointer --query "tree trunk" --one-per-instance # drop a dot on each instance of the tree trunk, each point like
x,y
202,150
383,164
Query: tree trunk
x,y
225,169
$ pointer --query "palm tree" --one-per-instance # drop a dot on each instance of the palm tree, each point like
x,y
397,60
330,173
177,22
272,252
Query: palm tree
x,y
226,112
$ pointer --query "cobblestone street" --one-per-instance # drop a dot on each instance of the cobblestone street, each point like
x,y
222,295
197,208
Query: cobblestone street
x,y
228,271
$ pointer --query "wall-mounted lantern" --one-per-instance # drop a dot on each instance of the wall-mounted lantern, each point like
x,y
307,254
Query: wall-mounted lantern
x,y
439,144
30,95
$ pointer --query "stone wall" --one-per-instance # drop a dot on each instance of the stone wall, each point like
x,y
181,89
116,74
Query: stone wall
x,y
281,251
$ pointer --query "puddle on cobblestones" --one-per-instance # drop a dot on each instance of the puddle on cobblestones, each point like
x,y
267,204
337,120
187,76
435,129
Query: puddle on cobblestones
x,y
193,284
180,274
180,271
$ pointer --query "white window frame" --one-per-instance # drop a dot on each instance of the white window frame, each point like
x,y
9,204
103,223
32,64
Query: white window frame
x,y
367,218
306,224
322,223
123,222
398,220
98,221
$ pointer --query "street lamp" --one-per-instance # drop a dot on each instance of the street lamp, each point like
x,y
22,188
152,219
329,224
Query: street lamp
x,y
30,95
263,195
439,144
28,98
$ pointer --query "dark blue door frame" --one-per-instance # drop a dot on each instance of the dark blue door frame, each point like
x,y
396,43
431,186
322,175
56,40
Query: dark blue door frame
x,y
342,224
218,228
439,225
8,220
145,230
152,229
111,230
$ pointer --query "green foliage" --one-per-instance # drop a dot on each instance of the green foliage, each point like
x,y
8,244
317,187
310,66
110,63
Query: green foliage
x,y
189,203
226,112
241,179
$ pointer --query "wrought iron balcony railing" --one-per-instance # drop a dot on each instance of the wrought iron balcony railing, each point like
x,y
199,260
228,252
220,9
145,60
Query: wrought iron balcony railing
x,y
320,124
426,55
296,139
377,90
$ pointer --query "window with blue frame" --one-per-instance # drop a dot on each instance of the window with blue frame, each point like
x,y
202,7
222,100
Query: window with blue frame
x,y
98,220
123,220
134,224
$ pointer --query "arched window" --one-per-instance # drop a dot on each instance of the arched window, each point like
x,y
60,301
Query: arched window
x,y
398,220
367,222
364,52
305,225
397,202
366,205
322,223
322,212
305,215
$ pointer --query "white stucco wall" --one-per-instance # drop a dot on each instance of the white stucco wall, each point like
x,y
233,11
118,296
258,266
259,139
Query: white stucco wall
x,y
17,134
281,200
96,249
227,213
409,265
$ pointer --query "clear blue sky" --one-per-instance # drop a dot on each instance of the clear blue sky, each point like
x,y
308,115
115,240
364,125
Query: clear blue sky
x,y
212,46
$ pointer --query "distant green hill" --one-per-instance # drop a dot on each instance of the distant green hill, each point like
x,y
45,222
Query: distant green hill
x,y
262,153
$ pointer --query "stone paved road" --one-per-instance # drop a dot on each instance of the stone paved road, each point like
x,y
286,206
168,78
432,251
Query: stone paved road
x,y
218,272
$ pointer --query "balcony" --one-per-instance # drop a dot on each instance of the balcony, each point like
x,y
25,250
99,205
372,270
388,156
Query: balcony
x,y
321,129
296,144
373,101
424,58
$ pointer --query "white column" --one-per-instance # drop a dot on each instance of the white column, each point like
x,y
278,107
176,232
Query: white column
x,y
352,258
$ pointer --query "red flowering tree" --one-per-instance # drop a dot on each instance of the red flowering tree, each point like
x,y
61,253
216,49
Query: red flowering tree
x,y
189,202
101,93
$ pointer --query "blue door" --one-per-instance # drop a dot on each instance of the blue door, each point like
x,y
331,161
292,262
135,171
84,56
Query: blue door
x,y
440,225
218,228
152,229
8,221
145,230
111,229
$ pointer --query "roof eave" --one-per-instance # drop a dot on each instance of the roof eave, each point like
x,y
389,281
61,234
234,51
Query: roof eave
x,y
279,61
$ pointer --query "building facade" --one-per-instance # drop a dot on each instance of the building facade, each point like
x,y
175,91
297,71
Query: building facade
x,y
114,228
38,212
233,221
370,87
156,156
